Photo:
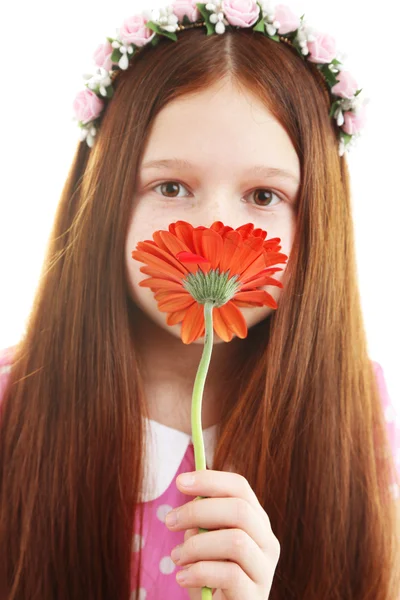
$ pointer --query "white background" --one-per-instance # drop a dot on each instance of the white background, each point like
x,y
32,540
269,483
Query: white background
x,y
45,49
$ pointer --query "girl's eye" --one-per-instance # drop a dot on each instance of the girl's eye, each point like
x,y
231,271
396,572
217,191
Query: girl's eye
x,y
263,195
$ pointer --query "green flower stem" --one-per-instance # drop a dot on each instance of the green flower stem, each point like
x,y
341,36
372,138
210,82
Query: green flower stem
x,y
197,432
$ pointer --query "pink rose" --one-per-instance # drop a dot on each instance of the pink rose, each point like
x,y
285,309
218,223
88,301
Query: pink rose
x,y
242,13
87,106
287,19
323,49
354,121
186,7
102,56
346,86
134,31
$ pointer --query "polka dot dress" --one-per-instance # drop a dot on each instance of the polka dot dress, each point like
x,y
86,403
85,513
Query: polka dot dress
x,y
158,570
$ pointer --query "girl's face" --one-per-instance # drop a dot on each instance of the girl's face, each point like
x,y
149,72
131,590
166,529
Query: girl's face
x,y
219,137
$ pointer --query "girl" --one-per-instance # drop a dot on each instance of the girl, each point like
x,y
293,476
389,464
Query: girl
x,y
96,397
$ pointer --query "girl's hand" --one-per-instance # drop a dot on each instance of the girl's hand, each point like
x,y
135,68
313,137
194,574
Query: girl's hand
x,y
238,558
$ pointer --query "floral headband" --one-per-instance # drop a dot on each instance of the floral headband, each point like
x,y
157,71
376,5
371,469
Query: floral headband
x,y
279,24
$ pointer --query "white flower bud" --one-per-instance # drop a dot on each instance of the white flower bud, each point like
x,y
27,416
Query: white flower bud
x,y
270,29
213,18
304,51
340,119
220,27
123,62
276,24
82,133
115,44
311,38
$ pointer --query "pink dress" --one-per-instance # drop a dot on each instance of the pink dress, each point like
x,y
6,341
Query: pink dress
x,y
170,453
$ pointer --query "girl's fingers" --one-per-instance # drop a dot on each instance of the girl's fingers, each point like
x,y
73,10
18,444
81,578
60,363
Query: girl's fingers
x,y
230,545
225,576
190,533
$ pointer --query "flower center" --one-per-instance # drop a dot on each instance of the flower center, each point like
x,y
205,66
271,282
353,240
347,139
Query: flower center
x,y
212,286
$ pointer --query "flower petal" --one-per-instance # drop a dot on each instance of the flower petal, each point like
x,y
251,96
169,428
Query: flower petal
x,y
234,319
173,302
154,272
258,297
231,252
220,326
165,255
212,244
184,232
192,324
158,262
252,248
176,317
159,283
255,267
274,258
245,230
260,280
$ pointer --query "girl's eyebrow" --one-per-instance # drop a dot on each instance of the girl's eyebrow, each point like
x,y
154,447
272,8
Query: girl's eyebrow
x,y
255,170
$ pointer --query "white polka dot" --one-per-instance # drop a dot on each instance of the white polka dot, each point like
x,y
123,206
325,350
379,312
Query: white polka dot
x,y
167,565
163,510
142,594
390,414
137,542
395,491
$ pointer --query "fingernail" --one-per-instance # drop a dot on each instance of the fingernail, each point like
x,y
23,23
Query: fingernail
x,y
171,518
186,479
176,553
182,575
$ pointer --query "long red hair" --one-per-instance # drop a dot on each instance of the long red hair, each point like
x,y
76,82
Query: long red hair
x,y
302,419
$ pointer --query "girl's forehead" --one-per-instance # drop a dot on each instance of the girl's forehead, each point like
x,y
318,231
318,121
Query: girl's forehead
x,y
217,127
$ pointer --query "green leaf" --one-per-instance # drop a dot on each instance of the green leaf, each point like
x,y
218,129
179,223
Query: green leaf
x,y
186,20
206,16
358,92
346,136
116,55
274,37
260,26
334,106
110,39
110,91
329,76
155,27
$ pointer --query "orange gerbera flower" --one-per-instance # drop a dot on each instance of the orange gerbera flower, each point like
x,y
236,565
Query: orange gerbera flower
x,y
189,266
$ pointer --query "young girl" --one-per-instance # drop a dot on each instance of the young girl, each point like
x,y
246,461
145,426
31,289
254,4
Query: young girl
x,y
300,487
